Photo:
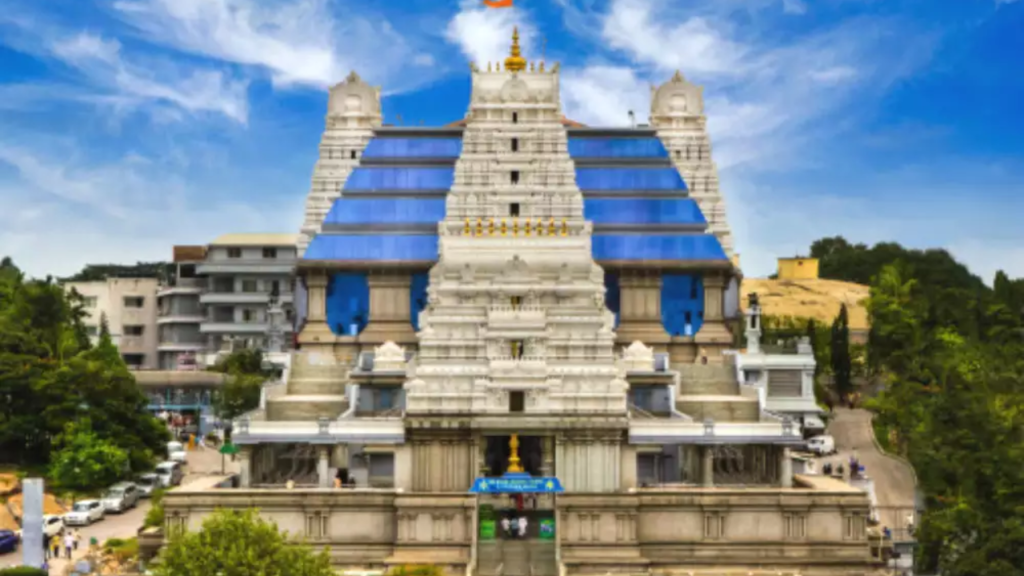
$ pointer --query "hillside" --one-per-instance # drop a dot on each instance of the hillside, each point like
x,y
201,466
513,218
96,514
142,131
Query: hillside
x,y
818,299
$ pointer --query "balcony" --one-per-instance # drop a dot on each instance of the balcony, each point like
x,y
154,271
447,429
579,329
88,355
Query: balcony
x,y
182,286
171,346
129,344
172,317
135,316
235,298
215,327
247,266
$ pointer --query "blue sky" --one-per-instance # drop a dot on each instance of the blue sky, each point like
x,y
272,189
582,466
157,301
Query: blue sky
x,y
127,126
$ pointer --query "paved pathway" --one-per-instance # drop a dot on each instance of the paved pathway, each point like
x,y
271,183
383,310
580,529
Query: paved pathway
x,y
895,483
202,463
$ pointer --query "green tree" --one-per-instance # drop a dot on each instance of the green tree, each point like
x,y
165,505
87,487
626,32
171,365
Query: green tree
x,y
240,394
240,543
842,371
85,463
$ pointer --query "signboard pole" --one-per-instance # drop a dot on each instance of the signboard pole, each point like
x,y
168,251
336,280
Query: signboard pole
x,y
32,523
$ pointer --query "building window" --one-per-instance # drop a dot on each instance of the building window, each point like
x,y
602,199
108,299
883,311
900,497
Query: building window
x,y
248,315
515,117
275,286
515,176
515,144
517,349
234,252
352,155
89,301
92,330
270,252
134,301
250,286
517,401
517,301
513,209
134,360
133,330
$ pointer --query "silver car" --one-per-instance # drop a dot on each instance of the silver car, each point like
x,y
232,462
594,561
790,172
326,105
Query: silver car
x,y
147,483
120,497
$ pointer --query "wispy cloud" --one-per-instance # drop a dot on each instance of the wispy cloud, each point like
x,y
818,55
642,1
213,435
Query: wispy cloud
x,y
484,34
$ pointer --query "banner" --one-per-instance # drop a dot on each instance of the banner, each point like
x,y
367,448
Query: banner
x,y
516,484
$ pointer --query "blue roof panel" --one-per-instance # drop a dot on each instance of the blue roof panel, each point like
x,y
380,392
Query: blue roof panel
x,y
617,148
365,178
643,211
380,248
701,247
413,148
386,211
639,179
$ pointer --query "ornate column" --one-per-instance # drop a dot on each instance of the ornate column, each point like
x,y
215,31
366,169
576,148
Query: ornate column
x,y
713,333
640,308
244,466
316,330
707,466
547,456
786,467
323,467
389,309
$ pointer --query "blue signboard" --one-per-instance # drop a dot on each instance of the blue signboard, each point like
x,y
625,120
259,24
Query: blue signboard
x,y
516,483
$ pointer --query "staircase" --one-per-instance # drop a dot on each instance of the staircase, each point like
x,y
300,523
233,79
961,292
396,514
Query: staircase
x,y
516,558
314,390
712,392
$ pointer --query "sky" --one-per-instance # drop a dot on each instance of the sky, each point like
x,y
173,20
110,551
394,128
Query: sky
x,y
129,126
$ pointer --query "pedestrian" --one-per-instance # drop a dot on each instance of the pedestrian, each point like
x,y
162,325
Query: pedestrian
x,y
69,542
506,527
78,538
522,526
56,545
46,544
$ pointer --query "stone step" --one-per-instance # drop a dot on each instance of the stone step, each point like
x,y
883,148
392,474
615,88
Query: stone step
x,y
720,408
302,370
306,386
700,379
305,408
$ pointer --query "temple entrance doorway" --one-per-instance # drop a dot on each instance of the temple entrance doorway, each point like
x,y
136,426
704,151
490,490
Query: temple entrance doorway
x,y
499,451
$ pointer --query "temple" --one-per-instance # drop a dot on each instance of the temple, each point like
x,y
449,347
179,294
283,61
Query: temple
x,y
517,316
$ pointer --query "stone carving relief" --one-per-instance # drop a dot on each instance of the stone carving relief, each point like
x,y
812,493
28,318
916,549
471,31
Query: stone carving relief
x,y
354,96
638,357
515,90
389,357
677,97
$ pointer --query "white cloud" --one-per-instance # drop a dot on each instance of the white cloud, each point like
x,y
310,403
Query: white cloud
x,y
85,47
794,7
62,211
299,42
834,75
485,34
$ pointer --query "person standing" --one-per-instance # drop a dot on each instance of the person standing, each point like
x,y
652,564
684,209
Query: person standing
x,y
522,526
506,527
46,545
56,545
78,538
69,542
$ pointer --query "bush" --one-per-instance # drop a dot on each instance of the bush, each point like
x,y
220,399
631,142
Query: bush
x,y
155,514
23,571
417,570
122,550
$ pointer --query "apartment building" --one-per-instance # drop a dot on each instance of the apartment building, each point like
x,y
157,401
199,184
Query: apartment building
x,y
180,313
129,306
241,273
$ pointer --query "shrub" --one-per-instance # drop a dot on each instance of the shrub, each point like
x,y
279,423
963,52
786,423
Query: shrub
x,y
23,571
417,570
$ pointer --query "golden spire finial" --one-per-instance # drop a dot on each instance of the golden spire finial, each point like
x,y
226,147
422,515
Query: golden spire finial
x,y
515,62
513,460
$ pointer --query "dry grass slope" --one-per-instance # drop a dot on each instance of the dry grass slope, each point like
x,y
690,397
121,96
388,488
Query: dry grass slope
x,y
817,299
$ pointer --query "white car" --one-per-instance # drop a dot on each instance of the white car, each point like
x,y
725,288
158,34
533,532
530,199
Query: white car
x,y
176,452
52,525
822,445
84,513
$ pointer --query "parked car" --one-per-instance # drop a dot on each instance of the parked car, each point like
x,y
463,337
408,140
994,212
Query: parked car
x,y
8,541
120,497
52,524
170,473
176,452
822,445
147,483
84,513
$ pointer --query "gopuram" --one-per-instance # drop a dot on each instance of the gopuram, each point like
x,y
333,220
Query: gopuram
x,y
516,360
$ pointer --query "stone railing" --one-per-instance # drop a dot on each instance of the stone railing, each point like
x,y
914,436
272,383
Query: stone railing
x,y
665,431
692,528
361,526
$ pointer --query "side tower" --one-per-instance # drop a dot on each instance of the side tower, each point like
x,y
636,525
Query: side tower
x,y
353,111
677,113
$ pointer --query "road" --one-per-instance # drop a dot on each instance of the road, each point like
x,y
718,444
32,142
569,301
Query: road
x,y
895,483
201,463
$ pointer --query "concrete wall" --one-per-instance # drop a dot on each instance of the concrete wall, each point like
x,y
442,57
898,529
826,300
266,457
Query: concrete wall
x,y
107,297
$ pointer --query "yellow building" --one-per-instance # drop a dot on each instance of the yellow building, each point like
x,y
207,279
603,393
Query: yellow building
x,y
798,268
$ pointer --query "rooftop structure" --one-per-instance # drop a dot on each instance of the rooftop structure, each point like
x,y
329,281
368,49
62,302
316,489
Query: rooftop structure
x,y
516,304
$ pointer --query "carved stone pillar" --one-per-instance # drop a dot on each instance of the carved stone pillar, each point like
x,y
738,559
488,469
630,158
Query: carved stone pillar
x,y
323,468
244,466
316,331
389,309
786,468
640,308
714,334
547,456
707,467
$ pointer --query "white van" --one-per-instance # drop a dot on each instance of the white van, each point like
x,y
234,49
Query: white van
x,y
176,452
822,445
